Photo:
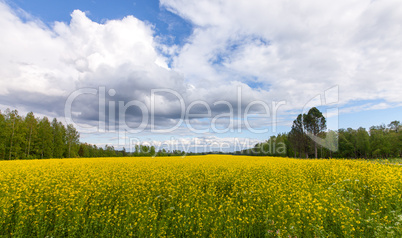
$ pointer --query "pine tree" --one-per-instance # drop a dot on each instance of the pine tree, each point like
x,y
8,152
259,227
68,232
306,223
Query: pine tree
x,y
31,124
59,138
15,135
72,137
2,136
45,138
314,123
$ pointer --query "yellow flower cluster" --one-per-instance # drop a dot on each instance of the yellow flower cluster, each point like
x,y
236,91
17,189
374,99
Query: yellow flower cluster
x,y
200,196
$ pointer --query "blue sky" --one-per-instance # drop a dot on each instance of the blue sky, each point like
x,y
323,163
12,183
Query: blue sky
x,y
165,22
204,52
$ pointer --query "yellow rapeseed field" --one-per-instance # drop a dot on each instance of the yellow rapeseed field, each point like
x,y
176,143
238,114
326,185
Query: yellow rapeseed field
x,y
200,196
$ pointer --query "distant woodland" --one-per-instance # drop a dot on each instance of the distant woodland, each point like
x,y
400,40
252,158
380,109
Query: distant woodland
x,y
376,142
30,137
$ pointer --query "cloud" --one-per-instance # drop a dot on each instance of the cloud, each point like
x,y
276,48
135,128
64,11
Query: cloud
x,y
295,49
42,66
264,51
121,60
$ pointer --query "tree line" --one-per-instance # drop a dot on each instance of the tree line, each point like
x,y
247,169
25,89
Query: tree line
x,y
31,137
376,142
88,150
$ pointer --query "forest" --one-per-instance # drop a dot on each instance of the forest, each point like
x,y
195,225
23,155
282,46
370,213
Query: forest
x,y
30,137
377,142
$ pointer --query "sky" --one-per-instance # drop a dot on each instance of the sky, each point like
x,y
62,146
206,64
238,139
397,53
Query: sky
x,y
200,75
